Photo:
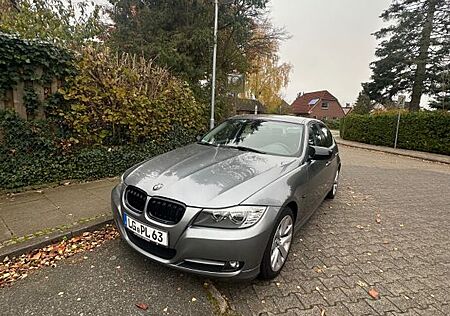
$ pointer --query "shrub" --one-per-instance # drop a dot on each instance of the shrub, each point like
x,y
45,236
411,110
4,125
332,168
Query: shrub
x,y
121,99
332,124
32,153
422,131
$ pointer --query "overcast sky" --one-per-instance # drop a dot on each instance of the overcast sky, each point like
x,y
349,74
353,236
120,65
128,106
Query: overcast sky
x,y
331,45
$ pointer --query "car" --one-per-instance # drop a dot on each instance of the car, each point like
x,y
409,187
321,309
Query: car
x,y
229,205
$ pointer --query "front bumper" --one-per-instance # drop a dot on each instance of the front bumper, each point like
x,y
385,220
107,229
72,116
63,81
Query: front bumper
x,y
200,250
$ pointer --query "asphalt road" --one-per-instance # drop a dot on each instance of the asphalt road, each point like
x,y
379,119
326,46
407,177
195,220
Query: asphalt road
x,y
110,281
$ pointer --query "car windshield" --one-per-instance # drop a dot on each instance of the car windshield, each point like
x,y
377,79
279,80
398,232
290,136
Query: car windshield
x,y
268,137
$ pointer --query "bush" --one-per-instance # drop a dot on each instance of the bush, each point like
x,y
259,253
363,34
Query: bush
x,y
332,124
32,153
422,131
121,99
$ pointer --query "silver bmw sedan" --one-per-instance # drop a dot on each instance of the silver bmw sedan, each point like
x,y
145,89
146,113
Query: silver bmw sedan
x,y
229,205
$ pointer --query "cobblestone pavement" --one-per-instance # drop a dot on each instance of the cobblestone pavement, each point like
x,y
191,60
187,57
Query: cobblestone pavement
x,y
344,250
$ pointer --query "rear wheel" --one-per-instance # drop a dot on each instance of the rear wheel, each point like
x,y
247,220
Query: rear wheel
x,y
334,188
278,247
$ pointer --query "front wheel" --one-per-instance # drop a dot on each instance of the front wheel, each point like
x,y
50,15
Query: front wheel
x,y
334,188
278,247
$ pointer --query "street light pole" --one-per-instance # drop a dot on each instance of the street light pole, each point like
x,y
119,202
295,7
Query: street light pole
x,y
213,83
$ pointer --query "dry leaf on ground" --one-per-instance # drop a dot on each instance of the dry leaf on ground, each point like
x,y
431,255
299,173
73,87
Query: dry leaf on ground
x,y
374,294
142,306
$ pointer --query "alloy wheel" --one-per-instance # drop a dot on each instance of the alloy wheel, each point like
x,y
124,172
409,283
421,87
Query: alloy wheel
x,y
335,183
281,243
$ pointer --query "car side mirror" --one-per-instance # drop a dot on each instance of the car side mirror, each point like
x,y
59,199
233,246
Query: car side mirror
x,y
319,153
198,138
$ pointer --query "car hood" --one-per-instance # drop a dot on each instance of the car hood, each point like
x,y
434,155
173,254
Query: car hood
x,y
205,176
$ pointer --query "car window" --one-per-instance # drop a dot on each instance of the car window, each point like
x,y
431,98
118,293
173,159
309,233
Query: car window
x,y
311,138
272,137
319,135
328,138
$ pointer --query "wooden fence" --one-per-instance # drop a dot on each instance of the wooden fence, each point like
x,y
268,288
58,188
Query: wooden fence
x,y
13,99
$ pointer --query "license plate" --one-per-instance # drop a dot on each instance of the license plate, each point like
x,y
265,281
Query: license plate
x,y
146,232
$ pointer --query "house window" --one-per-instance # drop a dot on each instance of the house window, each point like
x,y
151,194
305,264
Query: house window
x,y
325,105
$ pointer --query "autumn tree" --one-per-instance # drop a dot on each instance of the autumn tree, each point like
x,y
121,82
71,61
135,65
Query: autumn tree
x,y
413,52
267,75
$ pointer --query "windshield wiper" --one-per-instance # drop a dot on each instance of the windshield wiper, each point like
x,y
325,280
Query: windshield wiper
x,y
243,148
206,143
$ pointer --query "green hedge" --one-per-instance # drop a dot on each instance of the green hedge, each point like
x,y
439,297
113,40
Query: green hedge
x,y
34,153
332,124
422,131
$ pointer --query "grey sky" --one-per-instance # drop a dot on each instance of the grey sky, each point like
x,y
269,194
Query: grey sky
x,y
331,45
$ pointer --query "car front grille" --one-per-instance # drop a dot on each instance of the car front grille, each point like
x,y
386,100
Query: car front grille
x,y
165,211
152,248
135,198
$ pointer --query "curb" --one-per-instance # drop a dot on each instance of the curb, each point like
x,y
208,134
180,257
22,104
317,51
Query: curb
x,y
42,241
404,154
218,300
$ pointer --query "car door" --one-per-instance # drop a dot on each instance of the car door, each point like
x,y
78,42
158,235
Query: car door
x,y
317,175
331,165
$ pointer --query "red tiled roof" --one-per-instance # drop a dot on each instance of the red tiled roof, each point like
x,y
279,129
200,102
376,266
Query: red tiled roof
x,y
301,104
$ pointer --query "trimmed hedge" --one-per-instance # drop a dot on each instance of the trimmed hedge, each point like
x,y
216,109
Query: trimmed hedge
x,y
332,124
33,153
422,131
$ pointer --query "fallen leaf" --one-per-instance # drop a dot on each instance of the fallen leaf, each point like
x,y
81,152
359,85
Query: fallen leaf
x,y
322,313
374,294
36,256
165,310
194,299
142,306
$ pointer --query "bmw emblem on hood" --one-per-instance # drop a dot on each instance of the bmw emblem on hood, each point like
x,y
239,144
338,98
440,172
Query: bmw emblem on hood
x,y
157,186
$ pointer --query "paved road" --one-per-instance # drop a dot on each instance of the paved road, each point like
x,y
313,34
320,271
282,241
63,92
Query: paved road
x,y
109,282
336,258
406,257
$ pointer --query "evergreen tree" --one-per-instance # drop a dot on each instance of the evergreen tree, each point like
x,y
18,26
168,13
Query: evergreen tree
x,y
414,51
178,34
363,104
441,101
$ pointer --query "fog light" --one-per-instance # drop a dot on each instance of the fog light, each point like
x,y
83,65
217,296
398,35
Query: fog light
x,y
233,264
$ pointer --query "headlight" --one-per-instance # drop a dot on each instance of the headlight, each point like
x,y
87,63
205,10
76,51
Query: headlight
x,y
234,217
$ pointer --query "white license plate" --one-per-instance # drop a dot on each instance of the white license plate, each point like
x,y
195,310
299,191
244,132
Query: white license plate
x,y
146,232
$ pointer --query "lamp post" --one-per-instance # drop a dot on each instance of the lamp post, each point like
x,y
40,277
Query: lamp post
x,y
213,83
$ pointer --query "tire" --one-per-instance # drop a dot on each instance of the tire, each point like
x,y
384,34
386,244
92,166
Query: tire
x,y
268,270
334,187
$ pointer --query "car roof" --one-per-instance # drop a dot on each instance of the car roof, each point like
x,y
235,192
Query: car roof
x,y
274,117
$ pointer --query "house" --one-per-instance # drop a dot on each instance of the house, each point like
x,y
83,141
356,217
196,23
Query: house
x,y
319,104
284,108
247,106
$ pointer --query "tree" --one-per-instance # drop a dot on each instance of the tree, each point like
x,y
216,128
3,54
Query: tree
x,y
267,76
414,51
266,80
441,100
61,21
178,35
363,104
